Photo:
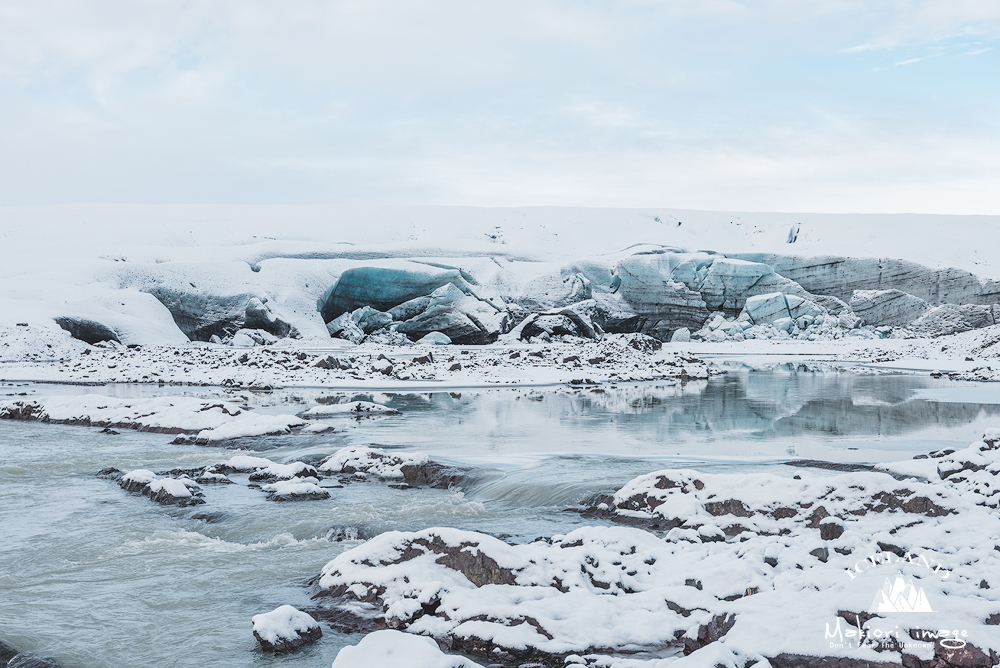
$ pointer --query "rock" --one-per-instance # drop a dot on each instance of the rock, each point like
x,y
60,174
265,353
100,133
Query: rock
x,y
892,308
6,653
435,339
289,490
831,530
168,491
31,660
285,629
952,319
682,335
259,316
88,331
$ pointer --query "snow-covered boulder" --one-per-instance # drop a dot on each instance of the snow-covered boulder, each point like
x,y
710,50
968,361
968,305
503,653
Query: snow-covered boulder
x,y
952,319
399,650
275,472
285,629
892,308
414,468
351,409
293,490
168,491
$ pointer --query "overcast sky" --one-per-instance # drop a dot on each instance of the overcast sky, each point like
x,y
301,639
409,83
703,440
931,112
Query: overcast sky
x,y
766,105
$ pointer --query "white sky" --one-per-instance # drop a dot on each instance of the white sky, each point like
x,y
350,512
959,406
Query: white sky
x,y
783,105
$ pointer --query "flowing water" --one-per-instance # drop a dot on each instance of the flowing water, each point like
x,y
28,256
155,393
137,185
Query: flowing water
x,y
96,577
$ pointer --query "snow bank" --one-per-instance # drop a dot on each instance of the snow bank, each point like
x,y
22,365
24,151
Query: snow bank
x,y
399,650
748,568
211,420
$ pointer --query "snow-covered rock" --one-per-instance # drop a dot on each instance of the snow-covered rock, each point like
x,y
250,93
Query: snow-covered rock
x,y
285,629
399,650
292,490
892,308
352,409
275,472
168,491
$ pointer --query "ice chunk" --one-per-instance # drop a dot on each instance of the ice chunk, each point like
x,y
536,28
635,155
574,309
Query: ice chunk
x,y
435,339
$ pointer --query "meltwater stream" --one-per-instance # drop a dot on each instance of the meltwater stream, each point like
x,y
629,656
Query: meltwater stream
x,y
96,577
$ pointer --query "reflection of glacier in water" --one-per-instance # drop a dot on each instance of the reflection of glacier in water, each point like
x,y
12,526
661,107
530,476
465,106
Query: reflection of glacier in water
x,y
738,415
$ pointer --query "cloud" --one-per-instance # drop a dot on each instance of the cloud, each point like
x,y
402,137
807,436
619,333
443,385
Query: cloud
x,y
748,104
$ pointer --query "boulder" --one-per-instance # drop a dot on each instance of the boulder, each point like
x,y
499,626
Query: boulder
x,y
285,629
88,331
6,653
952,319
259,316
892,308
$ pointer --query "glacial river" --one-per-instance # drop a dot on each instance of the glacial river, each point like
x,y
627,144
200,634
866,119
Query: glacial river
x,y
96,577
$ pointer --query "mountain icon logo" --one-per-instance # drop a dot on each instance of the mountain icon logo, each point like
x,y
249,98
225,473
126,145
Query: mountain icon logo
x,y
900,596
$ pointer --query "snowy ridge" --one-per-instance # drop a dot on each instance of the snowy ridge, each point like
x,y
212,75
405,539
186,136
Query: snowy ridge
x,y
209,420
749,569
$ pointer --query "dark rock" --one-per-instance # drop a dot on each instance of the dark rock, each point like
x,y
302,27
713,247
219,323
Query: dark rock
x,y
830,530
895,549
6,653
771,561
709,633
457,366
87,331
31,660
967,656
728,507
434,475
821,553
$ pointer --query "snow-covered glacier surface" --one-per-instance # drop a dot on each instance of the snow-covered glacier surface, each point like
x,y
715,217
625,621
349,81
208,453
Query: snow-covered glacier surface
x,y
165,275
